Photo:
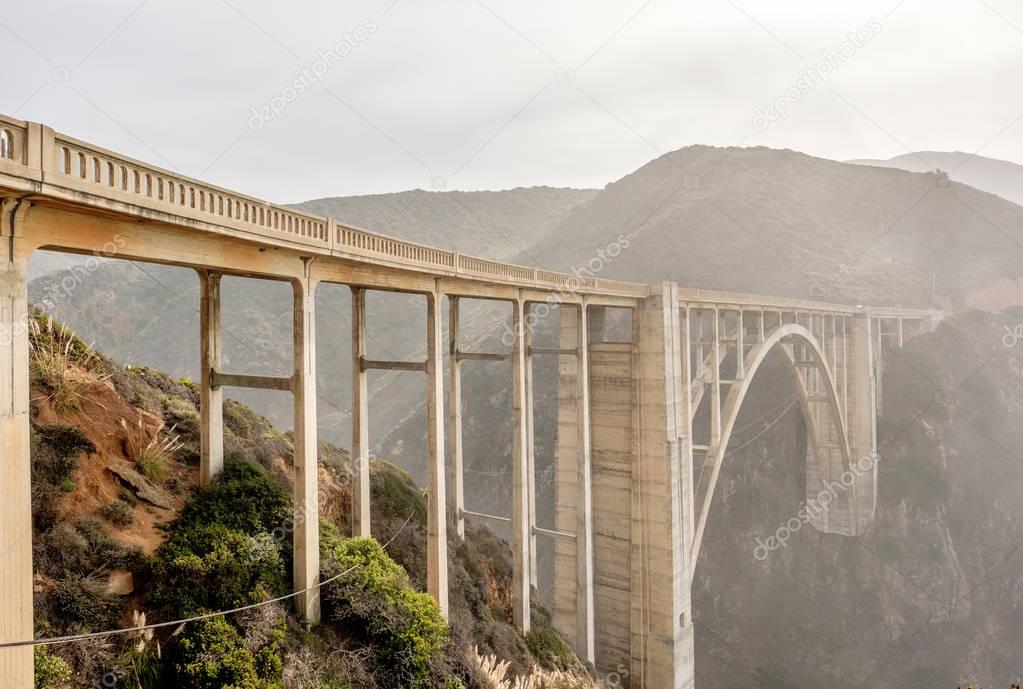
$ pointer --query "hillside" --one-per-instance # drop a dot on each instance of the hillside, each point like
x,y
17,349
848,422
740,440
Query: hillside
x,y
785,223
999,177
123,536
494,224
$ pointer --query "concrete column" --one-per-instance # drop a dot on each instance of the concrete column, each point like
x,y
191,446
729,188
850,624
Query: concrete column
x,y
585,645
307,509
211,400
740,347
360,418
16,623
456,477
520,475
715,380
878,354
688,500
662,630
530,460
862,413
437,518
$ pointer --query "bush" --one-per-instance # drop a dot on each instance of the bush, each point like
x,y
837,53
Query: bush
x,y
118,512
55,353
544,643
84,600
212,654
220,552
244,498
375,601
212,567
52,672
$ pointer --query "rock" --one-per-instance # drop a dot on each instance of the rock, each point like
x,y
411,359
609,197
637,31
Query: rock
x,y
120,583
144,489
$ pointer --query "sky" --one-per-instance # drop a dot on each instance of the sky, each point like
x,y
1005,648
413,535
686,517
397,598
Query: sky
x,y
299,100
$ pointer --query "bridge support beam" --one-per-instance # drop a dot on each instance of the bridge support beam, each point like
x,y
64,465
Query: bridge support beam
x,y
437,518
662,629
306,498
861,416
521,536
360,418
211,397
16,624
456,477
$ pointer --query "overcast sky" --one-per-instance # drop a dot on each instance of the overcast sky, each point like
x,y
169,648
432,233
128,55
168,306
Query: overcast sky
x,y
493,94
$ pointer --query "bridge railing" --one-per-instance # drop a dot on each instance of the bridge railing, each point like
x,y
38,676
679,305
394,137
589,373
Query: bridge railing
x,y
89,175
86,174
13,142
94,170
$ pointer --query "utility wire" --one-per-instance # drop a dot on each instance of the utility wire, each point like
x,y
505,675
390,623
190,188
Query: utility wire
x,y
198,618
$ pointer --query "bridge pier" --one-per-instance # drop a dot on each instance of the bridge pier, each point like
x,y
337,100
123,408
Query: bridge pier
x,y
662,628
211,397
306,489
16,623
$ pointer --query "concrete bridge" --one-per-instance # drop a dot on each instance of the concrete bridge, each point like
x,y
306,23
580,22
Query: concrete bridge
x,y
631,508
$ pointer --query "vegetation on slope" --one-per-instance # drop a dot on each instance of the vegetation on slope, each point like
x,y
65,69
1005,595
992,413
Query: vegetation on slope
x,y
116,545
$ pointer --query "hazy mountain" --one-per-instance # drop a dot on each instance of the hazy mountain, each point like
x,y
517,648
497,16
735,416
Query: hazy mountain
x,y
786,223
494,224
999,177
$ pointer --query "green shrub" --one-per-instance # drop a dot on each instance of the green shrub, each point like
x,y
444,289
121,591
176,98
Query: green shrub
x,y
211,567
118,512
52,672
212,654
244,498
544,644
83,599
374,600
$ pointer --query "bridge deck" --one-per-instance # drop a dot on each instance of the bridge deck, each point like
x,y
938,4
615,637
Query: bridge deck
x,y
53,168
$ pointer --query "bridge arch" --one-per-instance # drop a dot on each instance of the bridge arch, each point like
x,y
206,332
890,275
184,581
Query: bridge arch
x,y
803,352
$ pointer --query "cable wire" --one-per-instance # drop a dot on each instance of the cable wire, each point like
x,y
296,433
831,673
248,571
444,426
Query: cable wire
x,y
198,618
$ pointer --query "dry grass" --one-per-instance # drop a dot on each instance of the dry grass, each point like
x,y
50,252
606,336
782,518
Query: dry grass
x,y
56,354
152,458
495,673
